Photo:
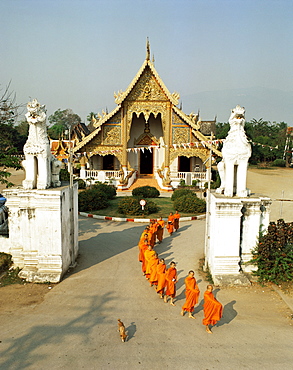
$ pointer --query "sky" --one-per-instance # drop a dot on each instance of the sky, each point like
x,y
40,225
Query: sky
x,y
215,53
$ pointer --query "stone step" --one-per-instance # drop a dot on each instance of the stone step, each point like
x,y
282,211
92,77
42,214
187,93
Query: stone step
x,y
145,181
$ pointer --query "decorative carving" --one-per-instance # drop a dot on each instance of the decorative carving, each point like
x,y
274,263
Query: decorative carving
x,y
146,139
146,108
111,135
147,88
203,154
105,150
236,152
181,135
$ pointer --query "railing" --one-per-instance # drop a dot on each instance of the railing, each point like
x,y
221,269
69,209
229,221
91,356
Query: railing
x,y
108,174
183,175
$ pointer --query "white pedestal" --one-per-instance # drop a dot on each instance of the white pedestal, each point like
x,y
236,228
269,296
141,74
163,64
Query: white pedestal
x,y
233,227
43,231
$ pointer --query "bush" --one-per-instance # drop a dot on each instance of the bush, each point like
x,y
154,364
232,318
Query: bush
x,y
181,192
146,192
81,183
190,204
92,200
182,182
64,175
131,206
279,163
274,253
5,261
194,182
108,190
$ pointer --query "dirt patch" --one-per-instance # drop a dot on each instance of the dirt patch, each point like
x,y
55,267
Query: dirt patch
x,y
18,297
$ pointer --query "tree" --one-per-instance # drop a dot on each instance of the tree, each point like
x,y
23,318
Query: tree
x,y
9,136
90,116
60,121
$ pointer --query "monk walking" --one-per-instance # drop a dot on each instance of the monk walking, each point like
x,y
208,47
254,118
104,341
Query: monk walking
x,y
170,225
147,255
171,280
142,248
176,220
212,309
160,229
161,271
153,262
191,293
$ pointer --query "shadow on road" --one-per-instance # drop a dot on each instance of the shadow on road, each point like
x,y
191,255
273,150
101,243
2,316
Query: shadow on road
x,y
229,314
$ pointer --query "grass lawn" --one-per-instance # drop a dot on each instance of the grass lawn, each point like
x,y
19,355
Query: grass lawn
x,y
165,204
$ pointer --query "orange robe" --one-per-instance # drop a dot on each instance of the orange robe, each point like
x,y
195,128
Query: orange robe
x,y
160,230
170,226
153,230
147,255
212,309
171,280
143,248
191,294
176,221
161,270
153,270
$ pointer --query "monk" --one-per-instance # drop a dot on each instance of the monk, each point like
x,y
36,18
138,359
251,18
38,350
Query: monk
x,y
170,225
160,229
147,255
171,280
153,262
161,270
142,248
153,231
191,294
176,220
212,309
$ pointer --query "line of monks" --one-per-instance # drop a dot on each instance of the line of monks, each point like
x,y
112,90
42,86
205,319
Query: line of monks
x,y
164,280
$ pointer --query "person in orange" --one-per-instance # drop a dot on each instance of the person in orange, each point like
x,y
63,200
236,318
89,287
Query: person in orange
x,y
191,294
212,309
176,220
142,248
147,255
171,280
161,270
153,262
153,231
160,229
170,225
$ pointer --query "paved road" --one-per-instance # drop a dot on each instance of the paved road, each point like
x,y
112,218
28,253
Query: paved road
x,y
76,326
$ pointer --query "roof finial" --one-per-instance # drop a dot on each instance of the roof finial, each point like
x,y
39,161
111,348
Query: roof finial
x,y
148,49
153,60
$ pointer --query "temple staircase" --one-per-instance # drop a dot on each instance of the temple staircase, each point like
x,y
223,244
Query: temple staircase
x,y
145,180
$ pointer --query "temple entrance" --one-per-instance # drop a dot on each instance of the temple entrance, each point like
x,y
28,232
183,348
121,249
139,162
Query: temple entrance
x,y
183,164
146,162
108,162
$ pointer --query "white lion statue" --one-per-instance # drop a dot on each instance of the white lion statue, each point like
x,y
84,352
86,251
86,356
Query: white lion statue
x,y
236,153
41,167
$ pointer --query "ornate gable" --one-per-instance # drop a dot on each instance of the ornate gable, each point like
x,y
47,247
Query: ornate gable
x,y
147,88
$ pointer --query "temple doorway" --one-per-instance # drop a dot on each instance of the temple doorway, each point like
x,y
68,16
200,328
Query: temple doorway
x,y
108,162
146,162
183,164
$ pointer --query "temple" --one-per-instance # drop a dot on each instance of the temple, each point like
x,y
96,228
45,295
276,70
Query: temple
x,y
147,135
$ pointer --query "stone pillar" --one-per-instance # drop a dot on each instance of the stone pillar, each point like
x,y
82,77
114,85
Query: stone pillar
x,y
223,250
43,231
250,230
82,173
124,119
265,214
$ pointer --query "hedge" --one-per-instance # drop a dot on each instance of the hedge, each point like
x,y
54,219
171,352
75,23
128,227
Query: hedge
x,y
92,200
146,192
108,190
181,192
131,206
190,204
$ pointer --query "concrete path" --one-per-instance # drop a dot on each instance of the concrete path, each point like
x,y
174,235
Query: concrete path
x,y
76,326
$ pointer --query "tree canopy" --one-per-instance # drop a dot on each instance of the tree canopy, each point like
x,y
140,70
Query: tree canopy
x,y
60,121
9,137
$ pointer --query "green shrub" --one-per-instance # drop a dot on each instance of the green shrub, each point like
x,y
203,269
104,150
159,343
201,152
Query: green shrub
x,y
181,192
64,175
146,192
81,183
108,190
131,206
182,182
92,200
190,204
5,261
273,255
279,163
194,182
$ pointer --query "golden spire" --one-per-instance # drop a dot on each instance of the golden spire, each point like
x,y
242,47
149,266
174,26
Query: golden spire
x,y
148,49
